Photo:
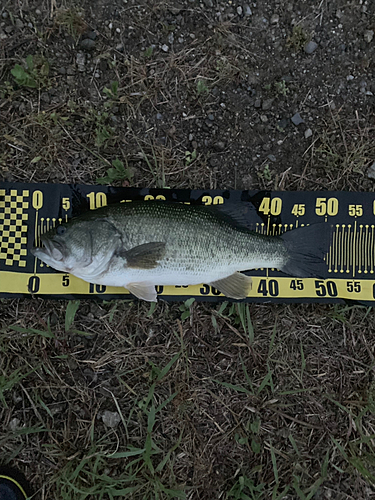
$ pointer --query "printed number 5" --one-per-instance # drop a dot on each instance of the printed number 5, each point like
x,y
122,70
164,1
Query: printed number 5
x,y
66,203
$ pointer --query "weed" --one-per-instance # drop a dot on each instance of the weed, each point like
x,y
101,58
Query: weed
x,y
185,308
251,435
281,88
116,173
112,91
34,74
298,39
190,156
359,453
245,489
70,313
148,52
10,380
266,174
104,133
202,88
72,21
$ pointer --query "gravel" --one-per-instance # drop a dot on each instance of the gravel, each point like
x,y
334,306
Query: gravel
x,y
371,171
111,418
87,44
267,104
310,47
297,119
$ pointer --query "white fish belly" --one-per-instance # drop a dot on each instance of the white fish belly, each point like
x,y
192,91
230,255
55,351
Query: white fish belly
x,y
163,275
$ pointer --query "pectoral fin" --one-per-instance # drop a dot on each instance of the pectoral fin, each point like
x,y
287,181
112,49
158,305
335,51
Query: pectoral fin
x,y
142,291
235,286
145,256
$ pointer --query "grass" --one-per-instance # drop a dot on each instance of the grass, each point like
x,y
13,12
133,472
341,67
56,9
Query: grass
x,y
267,403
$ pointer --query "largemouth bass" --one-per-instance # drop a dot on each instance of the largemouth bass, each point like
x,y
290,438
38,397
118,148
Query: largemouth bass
x,y
139,245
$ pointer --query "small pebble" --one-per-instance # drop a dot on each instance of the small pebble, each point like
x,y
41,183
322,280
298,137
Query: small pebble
x,y
38,12
87,44
118,30
159,116
239,11
4,15
310,47
308,133
92,35
371,171
211,117
368,35
350,77
80,60
283,123
275,18
257,103
14,424
267,104
264,118
219,146
19,24
111,418
164,48
272,158
297,119
191,137
247,10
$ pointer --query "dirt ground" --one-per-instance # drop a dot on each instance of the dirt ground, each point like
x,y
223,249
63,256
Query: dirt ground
x,y
120,400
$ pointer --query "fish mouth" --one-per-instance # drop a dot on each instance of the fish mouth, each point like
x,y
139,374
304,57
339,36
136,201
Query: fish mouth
x,y
51,251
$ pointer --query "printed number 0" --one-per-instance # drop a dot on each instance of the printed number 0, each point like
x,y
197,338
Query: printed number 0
x,y
37,200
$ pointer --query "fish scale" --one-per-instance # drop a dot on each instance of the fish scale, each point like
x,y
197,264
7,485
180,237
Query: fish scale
x,y
199,242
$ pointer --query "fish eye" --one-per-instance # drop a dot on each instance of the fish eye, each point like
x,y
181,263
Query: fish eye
x,y
60,230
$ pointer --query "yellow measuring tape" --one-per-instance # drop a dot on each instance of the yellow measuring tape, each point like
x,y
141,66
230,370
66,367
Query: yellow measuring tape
x,y
28,210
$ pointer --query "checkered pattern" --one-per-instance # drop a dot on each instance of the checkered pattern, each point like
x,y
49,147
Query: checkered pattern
x,y
13,227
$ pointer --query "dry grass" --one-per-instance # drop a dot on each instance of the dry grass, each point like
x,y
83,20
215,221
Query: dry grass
x,y
290,411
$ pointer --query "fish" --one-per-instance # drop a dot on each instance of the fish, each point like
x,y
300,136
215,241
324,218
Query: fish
x,y
141,244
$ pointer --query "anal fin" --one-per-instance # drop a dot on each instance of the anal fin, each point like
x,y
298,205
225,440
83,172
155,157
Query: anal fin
x,y
235,286
143,291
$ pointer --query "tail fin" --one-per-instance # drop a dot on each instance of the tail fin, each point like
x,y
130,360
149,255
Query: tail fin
x,y
307,247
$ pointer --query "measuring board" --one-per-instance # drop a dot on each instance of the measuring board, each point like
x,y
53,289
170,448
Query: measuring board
x,y
28,210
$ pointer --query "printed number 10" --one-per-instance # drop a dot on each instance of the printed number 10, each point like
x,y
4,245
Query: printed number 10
x,y
97,200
